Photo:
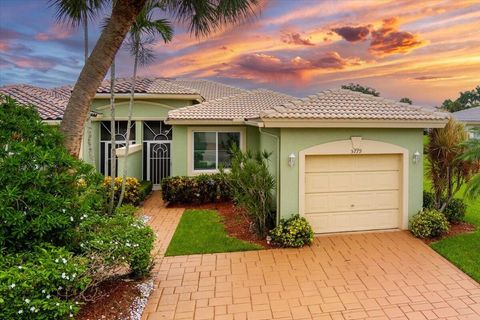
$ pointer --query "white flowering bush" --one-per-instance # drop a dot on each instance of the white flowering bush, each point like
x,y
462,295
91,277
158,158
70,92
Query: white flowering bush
x,y
116,242
41,284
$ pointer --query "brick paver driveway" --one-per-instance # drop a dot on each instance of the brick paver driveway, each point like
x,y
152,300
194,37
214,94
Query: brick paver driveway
x,y
388,275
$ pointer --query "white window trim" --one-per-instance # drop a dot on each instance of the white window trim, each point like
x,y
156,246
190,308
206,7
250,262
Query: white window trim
x,y
191,130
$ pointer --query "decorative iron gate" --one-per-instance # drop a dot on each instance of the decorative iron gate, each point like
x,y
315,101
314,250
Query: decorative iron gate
x,y
105,143
157,142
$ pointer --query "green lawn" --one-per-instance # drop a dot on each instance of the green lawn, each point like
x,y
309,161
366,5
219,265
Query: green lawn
x,y
202,231
462,250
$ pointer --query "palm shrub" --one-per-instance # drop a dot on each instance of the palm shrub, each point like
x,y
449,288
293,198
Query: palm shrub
x,y
448,171
472,153
252,187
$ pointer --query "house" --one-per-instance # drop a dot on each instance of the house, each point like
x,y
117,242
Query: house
x,y
471,119
345,160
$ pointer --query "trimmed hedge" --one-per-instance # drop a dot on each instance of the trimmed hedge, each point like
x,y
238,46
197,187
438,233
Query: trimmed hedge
x,y
203,188
145,189
429,223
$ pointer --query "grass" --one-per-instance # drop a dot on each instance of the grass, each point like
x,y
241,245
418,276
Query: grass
x,y
202,231
462,250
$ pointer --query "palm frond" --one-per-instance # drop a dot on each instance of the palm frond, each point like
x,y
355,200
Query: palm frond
x,y
204,17
473,188
73,12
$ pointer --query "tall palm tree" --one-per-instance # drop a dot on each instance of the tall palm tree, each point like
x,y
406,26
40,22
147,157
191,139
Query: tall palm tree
x,y
143,31
202,17
76,13
472,153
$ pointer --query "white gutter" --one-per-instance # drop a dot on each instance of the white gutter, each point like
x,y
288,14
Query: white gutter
x,y
277,169
185,96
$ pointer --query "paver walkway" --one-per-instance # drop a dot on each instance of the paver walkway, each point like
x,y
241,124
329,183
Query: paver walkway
x,y
388,275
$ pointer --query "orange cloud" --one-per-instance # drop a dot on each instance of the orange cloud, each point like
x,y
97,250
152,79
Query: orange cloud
x,y
55,32
388,40
296,38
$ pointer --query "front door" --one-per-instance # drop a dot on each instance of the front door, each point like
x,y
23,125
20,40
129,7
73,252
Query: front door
x,y
157,139
120,141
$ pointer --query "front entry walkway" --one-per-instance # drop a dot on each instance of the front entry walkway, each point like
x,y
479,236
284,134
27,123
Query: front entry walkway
x,y
388,275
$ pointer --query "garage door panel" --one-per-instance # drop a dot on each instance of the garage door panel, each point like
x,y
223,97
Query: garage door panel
x,y
351,181
350,221
352,192
352,201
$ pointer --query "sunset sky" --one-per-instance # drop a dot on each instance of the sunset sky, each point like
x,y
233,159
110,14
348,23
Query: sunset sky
x,y
425,50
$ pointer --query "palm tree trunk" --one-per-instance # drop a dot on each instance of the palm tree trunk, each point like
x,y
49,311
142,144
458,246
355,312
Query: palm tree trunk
x,y
94,71
91,155
113,147
130,111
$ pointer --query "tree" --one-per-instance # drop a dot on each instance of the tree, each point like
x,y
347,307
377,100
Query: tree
x,y
406,100
94,71
143,31
202,17
466,100
472,153
76,12
359,88
447,170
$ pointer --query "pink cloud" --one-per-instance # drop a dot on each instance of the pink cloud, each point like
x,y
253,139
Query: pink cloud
x,y
296,38
30,63
55,32
4,47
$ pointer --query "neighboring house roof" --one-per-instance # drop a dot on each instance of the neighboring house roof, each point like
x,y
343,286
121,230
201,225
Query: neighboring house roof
x,y
207,89
471,115
236,107
341,104
49,103
210,90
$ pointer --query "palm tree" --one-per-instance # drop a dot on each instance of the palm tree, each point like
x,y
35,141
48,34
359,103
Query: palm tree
x,y
472,154
76,12
202,17
143,31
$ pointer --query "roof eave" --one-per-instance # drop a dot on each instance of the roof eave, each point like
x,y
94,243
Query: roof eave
x,y
183,96
204,121
354,123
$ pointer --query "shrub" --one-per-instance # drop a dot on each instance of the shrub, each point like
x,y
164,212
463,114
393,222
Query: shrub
x,y
126,210
203,188
45,193
145,189
35,285
116,242
294,232
429,223
252,187
455,211
428,200
132,189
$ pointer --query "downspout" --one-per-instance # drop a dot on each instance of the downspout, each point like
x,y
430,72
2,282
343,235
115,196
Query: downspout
x,y
277,169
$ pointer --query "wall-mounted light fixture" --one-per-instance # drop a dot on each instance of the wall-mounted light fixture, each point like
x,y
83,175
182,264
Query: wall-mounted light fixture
x,y
416,157
291,159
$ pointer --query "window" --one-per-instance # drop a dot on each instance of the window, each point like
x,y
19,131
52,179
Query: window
x,y
212,149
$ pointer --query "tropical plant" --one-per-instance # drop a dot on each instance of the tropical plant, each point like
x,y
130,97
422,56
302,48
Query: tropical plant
x,y
447,170
472,153
252,187
202,17
406,100
359,88
203,188
143,32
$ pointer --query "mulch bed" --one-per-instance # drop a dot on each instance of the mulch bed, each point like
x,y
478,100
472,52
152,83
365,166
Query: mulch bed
x,y
455,229
236,221
116,297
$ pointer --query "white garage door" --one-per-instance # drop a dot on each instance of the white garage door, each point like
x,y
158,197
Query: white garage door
x,y
353,192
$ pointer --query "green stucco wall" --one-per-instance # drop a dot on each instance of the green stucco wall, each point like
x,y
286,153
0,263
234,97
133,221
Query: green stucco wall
x,y
179,151
134,165
297,139
155,109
